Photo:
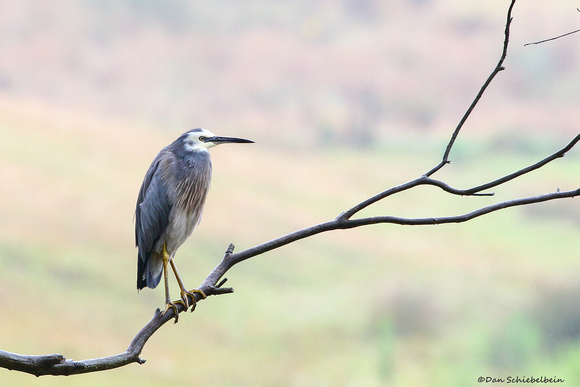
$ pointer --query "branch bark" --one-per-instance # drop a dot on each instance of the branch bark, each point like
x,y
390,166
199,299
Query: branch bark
x,y
56,364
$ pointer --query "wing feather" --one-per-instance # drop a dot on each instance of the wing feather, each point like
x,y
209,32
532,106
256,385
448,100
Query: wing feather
x,y
151,219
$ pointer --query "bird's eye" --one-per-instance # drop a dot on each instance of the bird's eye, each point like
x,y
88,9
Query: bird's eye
x,y
201,138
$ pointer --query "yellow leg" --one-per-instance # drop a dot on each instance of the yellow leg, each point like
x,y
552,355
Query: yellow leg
x,y
168,303
184,291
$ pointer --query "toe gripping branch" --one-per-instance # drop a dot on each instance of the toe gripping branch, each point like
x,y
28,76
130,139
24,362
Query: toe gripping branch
x,y
206,289
188,299
183,304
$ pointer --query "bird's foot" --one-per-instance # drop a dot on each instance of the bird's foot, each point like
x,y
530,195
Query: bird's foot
x,y
171,305
185,300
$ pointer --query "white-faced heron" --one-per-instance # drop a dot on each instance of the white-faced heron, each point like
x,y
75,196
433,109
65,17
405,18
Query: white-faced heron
x,y
170,205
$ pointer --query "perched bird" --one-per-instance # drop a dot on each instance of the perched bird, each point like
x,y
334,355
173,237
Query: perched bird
x,y
170,205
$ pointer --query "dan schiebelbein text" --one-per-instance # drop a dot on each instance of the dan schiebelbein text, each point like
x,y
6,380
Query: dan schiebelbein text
x,y
520,379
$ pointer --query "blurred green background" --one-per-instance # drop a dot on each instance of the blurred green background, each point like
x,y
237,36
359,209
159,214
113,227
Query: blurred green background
x,y
344,99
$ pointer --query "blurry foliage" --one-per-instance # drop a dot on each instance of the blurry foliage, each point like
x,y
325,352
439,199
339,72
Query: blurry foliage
x,y
557,315
411,312
514,344
289,71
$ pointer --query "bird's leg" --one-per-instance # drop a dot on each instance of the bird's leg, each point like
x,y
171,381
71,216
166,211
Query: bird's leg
x,y
184,291
168,303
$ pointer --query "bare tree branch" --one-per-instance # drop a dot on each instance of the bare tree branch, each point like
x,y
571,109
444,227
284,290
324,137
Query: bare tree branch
x,y
528,169
554,38
465,192
499,67
57,364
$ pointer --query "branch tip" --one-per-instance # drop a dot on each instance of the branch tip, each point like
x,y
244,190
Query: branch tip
x,y
483,194
222,282
216,290
230,249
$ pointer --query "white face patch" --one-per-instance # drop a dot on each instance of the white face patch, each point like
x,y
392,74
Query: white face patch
x,y
194,142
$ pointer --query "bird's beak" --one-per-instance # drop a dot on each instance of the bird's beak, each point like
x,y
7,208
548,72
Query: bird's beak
x,y
223,140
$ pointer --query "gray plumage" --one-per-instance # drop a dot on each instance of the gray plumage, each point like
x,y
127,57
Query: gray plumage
x,y
171,201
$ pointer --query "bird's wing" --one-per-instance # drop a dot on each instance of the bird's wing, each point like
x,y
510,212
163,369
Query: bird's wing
x,y
152,212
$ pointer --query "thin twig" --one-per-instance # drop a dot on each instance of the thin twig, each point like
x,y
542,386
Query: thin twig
x,y
554,38
523,171
498,67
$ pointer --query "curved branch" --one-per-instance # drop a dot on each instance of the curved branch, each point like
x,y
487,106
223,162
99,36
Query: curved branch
x,y
340,223
498,67
554,38
523,171
57,364
425,180
467,216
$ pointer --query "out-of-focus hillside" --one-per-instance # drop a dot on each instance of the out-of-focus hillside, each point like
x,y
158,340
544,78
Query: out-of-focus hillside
x,y
298,72
343,99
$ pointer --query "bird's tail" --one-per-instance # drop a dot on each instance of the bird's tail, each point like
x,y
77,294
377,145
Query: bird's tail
x,y
149,274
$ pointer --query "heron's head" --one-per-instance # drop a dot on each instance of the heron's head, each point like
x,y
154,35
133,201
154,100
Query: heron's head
x,y
196,140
